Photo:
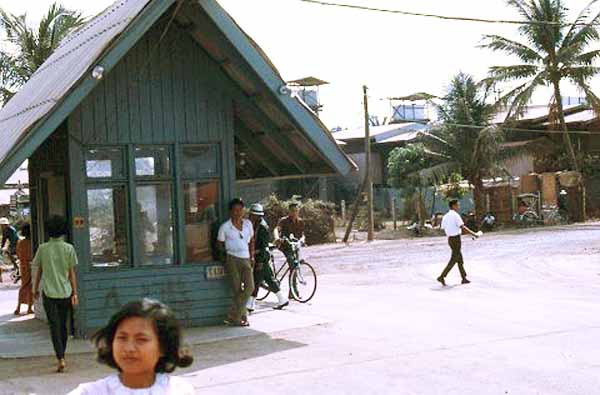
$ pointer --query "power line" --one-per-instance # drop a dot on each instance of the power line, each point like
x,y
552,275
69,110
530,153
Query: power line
x,y
442,17
520,130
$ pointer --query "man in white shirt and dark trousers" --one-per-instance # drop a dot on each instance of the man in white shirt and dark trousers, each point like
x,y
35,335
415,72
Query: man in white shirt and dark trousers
x,y
236,238
453,225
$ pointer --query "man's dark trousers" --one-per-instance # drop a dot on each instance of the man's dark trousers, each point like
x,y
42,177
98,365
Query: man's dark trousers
x,y
57,311
263,272
457,258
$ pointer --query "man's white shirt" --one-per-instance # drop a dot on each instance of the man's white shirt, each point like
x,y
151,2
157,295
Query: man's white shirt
x,y
452,224
236,241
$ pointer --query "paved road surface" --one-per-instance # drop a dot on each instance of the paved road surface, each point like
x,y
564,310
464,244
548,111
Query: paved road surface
x,y
528,324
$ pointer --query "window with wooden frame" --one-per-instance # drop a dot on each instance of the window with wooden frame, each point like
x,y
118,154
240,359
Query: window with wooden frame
x,y
107,201
201,179
154,229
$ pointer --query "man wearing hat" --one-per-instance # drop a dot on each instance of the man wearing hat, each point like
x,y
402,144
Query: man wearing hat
x,y
9,233
262,269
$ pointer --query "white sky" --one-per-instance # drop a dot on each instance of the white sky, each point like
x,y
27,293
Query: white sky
x,y
394,55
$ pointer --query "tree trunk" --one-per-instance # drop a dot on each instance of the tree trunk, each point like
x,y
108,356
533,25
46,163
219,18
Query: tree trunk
x,y
477,183
563,127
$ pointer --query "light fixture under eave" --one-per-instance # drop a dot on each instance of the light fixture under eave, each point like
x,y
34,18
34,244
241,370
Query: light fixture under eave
x,y
98,73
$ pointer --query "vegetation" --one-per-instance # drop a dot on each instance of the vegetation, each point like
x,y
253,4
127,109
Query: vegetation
x,y
32,44
554,51
318,216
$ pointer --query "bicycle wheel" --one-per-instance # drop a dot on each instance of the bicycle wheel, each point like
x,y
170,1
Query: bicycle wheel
x,y
303,282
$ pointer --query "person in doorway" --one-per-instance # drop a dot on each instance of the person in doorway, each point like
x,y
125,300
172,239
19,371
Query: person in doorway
x,y
24,252
453,226
288,227
56,260
142,343
9,234
262,257
236,238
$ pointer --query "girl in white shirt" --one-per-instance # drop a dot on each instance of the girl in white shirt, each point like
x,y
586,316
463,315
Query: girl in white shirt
x,y
142,342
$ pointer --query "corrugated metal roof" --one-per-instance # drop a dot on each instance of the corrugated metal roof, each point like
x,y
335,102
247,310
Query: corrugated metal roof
x,y
535,112
77,55
60,73
385,133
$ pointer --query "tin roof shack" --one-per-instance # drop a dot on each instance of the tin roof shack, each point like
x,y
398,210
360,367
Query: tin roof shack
x,y
134,129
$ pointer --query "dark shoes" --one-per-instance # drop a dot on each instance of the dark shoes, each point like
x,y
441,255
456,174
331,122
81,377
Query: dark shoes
x,y
281,306
465,281
442,281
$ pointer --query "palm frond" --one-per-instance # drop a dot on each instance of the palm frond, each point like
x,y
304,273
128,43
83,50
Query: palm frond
x,y
522,51
510,73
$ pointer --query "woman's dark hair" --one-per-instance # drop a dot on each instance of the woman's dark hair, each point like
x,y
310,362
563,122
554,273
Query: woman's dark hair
x,y
453,203
167,329
57,226
236,202
26,231
293,206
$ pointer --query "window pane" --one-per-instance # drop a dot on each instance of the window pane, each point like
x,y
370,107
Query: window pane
x,y
108,226
201,202
104,163
200,161
154,230
152,161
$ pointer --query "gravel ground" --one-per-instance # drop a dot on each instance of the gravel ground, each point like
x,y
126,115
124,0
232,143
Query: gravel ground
x,y
528,324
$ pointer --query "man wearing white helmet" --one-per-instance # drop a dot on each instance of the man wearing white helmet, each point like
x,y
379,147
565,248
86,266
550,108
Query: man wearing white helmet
x,y
262,269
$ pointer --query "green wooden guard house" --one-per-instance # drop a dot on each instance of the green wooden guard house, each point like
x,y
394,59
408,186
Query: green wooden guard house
x,y
137,129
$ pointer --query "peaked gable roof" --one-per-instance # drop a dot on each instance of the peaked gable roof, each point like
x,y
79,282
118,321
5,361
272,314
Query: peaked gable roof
x,y
65,79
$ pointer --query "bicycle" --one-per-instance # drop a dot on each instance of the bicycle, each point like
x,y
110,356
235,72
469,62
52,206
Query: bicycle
x,y
15,272
302,277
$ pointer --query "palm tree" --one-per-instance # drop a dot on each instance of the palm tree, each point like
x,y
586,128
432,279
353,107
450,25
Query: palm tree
x,y
32,44
465,141
554,51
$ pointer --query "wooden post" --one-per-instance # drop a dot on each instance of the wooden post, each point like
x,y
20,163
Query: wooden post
x,y
394,214
343,206
354,210
368,176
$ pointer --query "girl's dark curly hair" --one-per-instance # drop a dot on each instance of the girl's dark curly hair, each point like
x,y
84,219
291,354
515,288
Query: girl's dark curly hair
x,y
167,328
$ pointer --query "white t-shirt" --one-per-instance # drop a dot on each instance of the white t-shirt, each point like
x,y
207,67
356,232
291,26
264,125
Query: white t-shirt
x,y
452,224
111,385
236,241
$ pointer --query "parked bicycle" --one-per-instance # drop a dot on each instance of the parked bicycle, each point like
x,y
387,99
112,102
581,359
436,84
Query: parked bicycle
x,y
302,277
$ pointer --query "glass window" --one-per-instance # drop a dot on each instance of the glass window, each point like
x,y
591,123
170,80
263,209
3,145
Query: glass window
x,y
104,163
152,162
201,160
154,229
108,226
200,204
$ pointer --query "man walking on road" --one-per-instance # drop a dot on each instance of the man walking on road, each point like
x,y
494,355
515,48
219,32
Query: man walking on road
x,y
454,226
236,238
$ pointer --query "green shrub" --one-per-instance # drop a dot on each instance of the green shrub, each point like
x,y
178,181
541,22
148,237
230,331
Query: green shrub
x,y
318,217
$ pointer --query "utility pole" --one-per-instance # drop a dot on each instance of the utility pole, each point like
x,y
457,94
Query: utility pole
x,y
368,176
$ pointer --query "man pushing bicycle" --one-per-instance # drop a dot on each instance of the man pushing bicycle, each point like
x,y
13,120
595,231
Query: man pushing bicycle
x,y
288,228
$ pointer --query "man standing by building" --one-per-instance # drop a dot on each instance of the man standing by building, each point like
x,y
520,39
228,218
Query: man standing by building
x,y
9,233
236,238
453,225
289,226
262,267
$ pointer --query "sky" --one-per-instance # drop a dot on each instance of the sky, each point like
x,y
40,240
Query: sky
x,y
393,55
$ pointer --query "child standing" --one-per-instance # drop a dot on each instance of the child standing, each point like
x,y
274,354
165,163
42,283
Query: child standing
x,y
142,342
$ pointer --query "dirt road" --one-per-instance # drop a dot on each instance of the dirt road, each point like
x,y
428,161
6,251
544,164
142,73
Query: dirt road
x,y
528,324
